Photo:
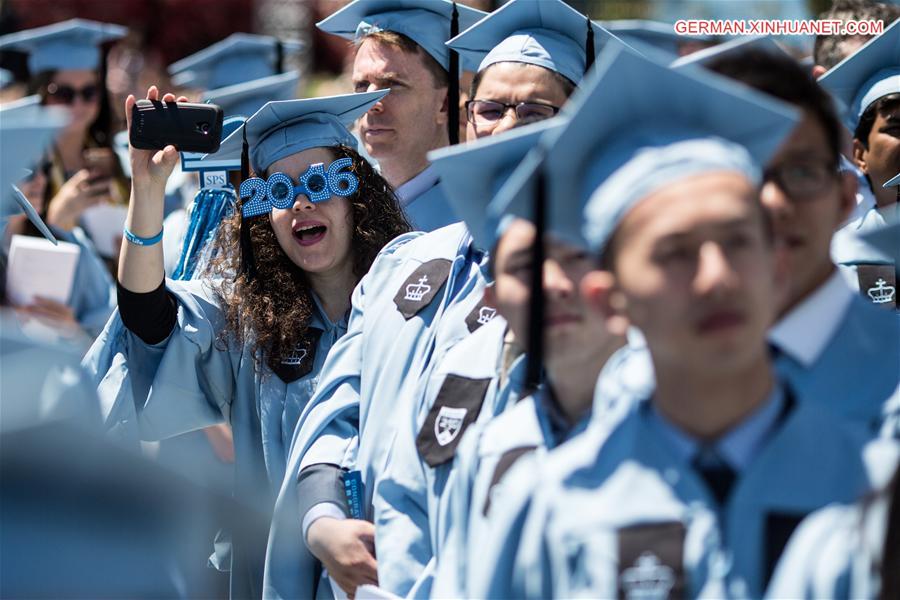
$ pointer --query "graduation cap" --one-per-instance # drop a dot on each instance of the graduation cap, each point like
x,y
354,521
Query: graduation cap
x,y
426,22
624,140
30,129
618,119
478,169
735,47
870,73
72,44
429,23
546,33
653,33
239,58
246,98
286,127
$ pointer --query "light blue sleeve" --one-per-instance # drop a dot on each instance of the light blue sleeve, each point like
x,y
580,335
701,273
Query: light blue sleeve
x,y
184,383
93,295
401,503
494,561
453,534
818,561
327,432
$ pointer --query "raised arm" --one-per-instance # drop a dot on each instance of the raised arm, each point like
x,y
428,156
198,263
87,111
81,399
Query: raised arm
x,y
141,266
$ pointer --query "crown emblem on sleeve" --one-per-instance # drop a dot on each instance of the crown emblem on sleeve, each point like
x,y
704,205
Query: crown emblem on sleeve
x,y
416,291
295,357
881,292
647,579
486,314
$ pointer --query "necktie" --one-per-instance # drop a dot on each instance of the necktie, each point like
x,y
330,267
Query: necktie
x,y
717,473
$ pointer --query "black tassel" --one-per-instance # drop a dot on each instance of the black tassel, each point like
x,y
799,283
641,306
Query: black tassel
x,y
535,356
589,47
248,263
279,57
453,87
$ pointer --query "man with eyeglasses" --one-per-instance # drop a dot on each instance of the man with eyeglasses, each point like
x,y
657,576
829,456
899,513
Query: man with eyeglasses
x,y
831,343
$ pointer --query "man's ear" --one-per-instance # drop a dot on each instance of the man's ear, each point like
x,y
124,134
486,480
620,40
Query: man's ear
x,y
600,294
860,156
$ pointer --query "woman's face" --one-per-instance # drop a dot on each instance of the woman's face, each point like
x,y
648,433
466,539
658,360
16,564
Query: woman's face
x,y
315,236
79,91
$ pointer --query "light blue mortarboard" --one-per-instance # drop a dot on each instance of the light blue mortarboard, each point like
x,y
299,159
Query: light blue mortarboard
x,y
286,127
72,44
868,74
546,33
625,139
239,58
246,98
477,171
29,130
735,47
426,22
653,33
892,182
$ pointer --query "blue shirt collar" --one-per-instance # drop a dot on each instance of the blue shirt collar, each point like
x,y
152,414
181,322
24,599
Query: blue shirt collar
x,y
739,445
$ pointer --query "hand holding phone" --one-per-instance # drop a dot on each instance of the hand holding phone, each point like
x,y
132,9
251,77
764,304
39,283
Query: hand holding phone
x,y
190,127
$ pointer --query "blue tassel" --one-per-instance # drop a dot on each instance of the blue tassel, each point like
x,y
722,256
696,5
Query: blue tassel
x,y
210,206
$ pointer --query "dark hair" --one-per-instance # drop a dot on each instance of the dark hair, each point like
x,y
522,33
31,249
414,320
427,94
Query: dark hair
x,y
828,49
867,120
272,310
439,74
782,77
566,84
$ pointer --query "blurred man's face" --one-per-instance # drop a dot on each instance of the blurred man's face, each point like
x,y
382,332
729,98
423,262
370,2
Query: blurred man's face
x,y
695,272
807,200
569,328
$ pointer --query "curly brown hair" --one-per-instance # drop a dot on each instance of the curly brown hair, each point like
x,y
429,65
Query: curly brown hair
x,y
272,310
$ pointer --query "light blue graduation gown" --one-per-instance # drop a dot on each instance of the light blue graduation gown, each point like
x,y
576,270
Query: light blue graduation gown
x,y
525,431
189,381
858,373
623,510
406,502
93,295
430,210
435,279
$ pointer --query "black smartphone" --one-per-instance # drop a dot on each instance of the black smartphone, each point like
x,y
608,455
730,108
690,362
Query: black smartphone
x,y
190,127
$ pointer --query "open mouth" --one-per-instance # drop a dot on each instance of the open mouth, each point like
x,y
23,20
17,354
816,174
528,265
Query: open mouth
x,y
307,235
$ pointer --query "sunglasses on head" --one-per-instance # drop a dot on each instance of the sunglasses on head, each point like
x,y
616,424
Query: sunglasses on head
x,y
66,94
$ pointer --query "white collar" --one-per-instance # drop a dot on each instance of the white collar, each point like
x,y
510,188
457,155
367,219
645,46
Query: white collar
x,y
415,187
805,331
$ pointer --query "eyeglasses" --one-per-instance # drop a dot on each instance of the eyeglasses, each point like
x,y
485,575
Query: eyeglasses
x,y
66,94
802,180
487,113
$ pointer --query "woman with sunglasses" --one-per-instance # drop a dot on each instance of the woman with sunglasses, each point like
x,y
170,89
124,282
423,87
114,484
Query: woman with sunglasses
x,y
65,62
246,345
